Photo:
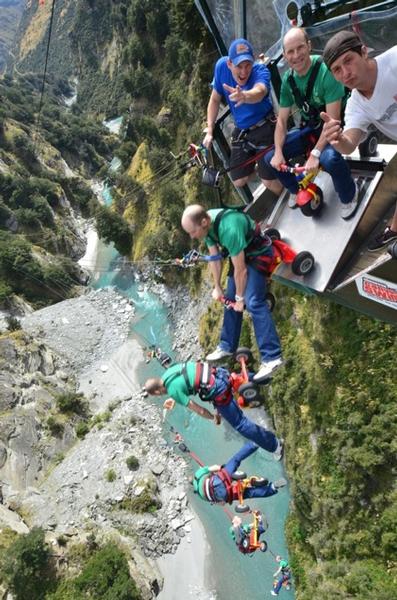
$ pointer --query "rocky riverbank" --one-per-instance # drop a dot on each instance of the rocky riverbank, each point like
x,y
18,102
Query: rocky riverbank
x,y
72,486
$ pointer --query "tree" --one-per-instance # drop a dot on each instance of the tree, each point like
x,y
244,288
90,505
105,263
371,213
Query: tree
x,y
26,566
113,228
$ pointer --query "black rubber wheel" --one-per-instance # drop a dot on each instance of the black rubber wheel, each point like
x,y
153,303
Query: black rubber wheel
x,y
259,481
244,353
242,508
263,546
314,207
392,249
273,233
303,263
245,543
248,391
270,301
238,475
369,147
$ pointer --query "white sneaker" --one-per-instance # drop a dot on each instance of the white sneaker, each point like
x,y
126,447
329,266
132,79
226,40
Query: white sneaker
x,y
267,369
348,210
278,454
292,201
279,483
273,593
217,354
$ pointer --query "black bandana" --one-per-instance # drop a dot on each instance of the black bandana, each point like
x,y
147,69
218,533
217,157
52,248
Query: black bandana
x,y
341,42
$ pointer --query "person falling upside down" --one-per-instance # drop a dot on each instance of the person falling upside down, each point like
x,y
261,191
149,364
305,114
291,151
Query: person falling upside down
x,y
212,384
283,575
247,536
215,484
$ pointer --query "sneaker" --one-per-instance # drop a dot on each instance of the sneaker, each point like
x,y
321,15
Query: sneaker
x,y
382,239
292,201
267,369
218,353
279,451
273,593
279,483
348,210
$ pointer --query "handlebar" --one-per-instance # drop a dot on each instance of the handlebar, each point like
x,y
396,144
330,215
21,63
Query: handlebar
x,y
295,170
229,304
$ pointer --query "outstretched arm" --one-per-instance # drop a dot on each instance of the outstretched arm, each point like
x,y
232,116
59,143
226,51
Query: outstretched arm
x,y
343,141
203,412
252,96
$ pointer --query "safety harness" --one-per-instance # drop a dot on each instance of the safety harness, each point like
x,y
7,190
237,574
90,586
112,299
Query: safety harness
x,y
258,243
203,385
203,484
310,113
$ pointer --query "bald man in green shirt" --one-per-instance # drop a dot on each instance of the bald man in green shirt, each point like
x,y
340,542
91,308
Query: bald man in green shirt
x,y
236,233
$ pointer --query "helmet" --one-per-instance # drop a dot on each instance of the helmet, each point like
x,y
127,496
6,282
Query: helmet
x,y
200,477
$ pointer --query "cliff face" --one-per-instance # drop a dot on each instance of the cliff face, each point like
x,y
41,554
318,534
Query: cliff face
x,y
10,14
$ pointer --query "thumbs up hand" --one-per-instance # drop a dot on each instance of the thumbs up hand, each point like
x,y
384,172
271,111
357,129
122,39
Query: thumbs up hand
x,y
332,129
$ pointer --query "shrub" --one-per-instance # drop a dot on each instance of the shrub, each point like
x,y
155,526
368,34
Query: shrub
x,y
13,324
143,503
72,402
110,475
132,463
58,458
26,566
81,429
105,576
55,426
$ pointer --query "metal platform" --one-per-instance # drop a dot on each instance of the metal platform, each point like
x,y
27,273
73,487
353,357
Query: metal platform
x,y
332,240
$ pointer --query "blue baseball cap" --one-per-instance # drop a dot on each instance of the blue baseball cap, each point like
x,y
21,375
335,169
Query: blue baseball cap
x,y
241,50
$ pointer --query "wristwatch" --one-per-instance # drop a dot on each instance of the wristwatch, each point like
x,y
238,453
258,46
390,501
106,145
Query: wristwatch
x,y
239,298
316,152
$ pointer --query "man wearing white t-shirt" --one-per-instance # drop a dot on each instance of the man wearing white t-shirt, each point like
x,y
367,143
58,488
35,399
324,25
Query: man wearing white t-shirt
x,y
373,101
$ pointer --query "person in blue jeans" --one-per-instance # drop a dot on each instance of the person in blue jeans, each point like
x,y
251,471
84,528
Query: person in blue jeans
x,y
212,385
283,576
236,234
215,484
309,85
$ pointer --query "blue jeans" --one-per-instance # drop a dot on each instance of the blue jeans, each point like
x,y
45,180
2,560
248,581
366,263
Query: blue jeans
x,y
296,143
255,302
233,414
231,466
280,580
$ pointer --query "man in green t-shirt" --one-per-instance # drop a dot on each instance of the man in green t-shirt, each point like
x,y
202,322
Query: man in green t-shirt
x,y
182,380
234,232
311,93
282,575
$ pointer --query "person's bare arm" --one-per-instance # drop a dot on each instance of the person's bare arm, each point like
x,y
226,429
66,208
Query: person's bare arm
x,y
212,113
279,137
343,141
240,279
200,410
252,96
216,272
313,163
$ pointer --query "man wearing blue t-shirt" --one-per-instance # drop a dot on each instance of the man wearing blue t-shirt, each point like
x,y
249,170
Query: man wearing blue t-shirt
x,y
245,86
